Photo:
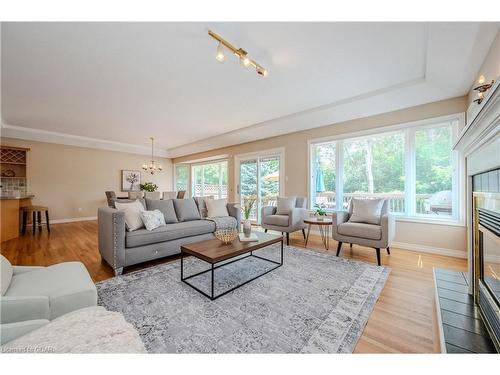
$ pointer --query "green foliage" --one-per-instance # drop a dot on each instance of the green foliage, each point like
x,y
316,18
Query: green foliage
x,y
181,177
247,208
320,209
149,186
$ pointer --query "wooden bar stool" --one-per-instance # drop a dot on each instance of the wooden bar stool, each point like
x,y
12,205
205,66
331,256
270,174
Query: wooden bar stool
x,y
36,212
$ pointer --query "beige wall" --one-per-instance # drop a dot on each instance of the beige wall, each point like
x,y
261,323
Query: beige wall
x,y
490,68
71,181
296,159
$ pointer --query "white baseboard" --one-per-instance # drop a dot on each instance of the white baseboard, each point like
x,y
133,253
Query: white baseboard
x,y
73,219
430,249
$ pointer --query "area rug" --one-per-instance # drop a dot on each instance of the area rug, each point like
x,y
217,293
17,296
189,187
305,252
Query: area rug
x,y
315,303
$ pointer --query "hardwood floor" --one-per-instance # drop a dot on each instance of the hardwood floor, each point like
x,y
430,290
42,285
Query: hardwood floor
x,y
403,320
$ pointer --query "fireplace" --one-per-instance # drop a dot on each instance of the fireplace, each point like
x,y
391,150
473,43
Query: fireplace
x,y
486,239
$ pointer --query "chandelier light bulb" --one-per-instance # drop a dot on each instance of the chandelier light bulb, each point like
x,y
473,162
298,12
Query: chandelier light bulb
x,y
220,57
481,80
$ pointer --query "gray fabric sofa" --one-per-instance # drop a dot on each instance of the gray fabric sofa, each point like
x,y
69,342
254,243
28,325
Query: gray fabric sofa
x,y
121,248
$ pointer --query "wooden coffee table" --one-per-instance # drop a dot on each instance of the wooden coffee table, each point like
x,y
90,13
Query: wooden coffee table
x,y
324,229
214,251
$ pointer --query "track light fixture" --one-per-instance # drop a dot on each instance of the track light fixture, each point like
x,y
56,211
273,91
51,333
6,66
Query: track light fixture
x,y
245,60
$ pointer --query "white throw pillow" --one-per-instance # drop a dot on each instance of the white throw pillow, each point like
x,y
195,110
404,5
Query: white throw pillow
x,y
216,207
366,210
6,269
285,205
153,219
132,210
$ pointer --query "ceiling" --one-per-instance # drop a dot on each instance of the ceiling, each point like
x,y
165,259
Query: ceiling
x,y
113,85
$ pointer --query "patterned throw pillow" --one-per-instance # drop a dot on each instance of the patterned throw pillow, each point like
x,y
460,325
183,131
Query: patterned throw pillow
x,y
152,219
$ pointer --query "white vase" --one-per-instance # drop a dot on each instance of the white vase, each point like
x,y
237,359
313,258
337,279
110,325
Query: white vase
x,y
247,228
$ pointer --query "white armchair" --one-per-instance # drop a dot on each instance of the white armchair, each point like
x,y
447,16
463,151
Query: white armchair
x,y
31,296
291,222
371,235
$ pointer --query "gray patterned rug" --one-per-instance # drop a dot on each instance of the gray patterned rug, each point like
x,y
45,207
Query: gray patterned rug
x,y
314,303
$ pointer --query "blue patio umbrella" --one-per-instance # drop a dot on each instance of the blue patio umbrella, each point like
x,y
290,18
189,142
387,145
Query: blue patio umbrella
x,y
320,181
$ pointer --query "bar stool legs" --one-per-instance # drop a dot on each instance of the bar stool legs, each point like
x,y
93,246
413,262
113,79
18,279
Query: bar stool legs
x,y
47,221
36,214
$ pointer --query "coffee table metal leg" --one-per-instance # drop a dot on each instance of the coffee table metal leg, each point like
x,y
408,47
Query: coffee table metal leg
x,y
182,265
281,260
212,281
307,237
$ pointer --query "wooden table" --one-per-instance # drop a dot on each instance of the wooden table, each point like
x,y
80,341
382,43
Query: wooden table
x,y
324,229
214,251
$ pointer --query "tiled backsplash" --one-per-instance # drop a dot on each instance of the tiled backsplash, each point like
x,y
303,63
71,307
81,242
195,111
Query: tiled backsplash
x,y
13,185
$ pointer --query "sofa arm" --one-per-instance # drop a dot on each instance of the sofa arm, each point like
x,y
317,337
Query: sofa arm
x,y
296,218
17,270
11,331
339,217
234,210
388,224
111,237
17,309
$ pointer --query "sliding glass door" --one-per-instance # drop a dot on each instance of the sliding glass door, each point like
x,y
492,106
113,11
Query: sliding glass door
x,y
259,178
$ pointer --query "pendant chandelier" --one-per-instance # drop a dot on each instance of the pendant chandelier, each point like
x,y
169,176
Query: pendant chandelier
x,y
152,167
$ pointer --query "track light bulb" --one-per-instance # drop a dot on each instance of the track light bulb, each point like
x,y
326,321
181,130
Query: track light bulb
x,y
245,61
220,57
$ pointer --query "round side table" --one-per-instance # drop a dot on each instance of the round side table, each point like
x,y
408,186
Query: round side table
x,y
324,229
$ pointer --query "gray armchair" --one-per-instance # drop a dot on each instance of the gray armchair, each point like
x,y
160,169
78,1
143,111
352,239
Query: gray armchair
x,y
370,235
292,222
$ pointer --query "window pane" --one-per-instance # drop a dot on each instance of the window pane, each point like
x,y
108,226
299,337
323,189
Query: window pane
x,y
248,184
323,175
181,177
433,162
269,181
210,180
374,168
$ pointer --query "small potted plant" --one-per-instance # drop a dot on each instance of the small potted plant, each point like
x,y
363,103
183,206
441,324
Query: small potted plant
x,y
248,204
320,211
149,187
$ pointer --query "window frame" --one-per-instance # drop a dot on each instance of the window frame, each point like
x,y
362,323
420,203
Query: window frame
x,y
409,129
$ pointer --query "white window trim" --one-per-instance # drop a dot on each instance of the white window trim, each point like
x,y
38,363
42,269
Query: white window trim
x,y
458,179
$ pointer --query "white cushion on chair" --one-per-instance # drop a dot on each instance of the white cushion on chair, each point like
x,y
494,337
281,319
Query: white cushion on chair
x,y
361,230
366,210
285,205
6,277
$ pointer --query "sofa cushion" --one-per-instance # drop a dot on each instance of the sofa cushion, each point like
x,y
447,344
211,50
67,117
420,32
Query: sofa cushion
x,y
68,286
366,210
6,276
217,208
202,206
132,210
165,206
285,205
152,219
361,230
186,209
169,232
279,220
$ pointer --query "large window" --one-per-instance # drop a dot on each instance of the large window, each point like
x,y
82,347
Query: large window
x,y
412,167
209,179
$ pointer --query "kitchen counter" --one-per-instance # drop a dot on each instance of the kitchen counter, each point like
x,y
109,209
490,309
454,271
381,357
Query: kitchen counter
x,y
10,215
22,196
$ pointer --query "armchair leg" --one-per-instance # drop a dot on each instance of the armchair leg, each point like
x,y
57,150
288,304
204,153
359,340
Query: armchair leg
x,y
265,230
339,247
350,245
388,251
304,233
378,255
287,239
